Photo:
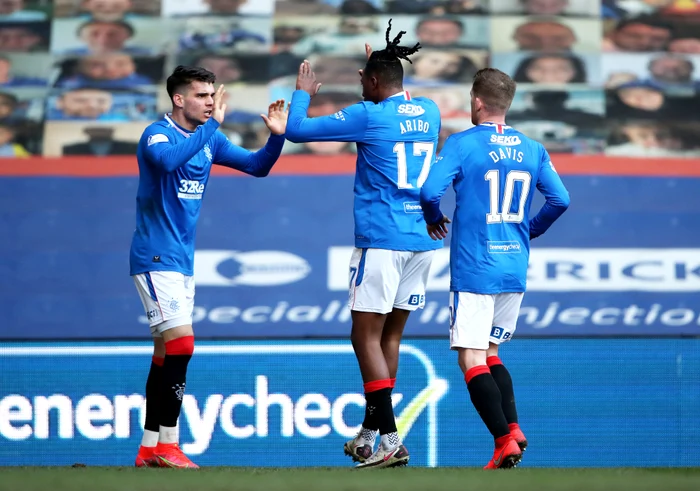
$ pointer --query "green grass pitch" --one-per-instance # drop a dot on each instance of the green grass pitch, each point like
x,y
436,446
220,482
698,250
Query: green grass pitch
x,y
327,479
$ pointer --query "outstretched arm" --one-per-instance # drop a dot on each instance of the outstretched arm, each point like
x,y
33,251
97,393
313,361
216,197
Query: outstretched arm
x,y
258,163
347,125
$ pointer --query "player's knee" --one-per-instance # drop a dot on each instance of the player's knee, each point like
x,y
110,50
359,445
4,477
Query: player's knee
x,y
358,339
492,350
469,358
180,346
158,347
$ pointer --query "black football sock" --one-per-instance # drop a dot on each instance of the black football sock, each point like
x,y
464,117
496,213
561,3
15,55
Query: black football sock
x,y
505,385
386,421
178,353
153,386
486,398
371,409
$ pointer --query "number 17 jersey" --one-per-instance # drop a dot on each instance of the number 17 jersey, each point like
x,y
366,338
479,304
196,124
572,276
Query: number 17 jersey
x,y
396,144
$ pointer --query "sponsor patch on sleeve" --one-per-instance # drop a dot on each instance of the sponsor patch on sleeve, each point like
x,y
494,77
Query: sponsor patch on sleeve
x,y
157,138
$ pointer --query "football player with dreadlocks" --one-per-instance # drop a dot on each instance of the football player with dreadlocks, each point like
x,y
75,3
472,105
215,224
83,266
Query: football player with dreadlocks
x,y
396,137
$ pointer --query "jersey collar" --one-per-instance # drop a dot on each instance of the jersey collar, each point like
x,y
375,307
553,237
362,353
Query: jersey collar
x,y
177,127
403,93
499,127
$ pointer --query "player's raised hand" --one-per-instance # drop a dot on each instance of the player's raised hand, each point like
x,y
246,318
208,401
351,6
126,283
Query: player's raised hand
x,y
219,110
438,230
306,79
368,52
276,118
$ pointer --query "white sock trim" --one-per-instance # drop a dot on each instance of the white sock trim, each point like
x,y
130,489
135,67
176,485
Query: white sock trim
x,y
390,441
169,435
149,439
367,436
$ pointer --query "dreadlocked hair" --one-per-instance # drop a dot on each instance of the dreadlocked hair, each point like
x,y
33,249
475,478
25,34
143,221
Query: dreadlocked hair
x,y
386,63
394,51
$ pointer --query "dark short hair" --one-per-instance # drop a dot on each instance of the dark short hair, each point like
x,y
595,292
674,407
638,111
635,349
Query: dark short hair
x,y
576,62
453,20
647,20
386,65
543,20
357,7
119,23
185,75
687,62
495,89
9,97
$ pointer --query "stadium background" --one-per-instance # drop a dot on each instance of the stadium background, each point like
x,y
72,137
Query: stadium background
x,y
607,354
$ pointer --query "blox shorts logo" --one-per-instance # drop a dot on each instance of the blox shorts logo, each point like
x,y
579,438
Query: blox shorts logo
x,y
500,333
416,300
411,110
255,268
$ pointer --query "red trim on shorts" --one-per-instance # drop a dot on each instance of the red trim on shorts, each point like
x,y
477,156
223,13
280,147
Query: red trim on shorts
x,y
493,360
158,360
475,372
180,346
392,381
376,385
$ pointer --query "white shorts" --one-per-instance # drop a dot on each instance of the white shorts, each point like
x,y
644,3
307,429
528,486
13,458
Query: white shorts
x,y
381,279
477,320
167,297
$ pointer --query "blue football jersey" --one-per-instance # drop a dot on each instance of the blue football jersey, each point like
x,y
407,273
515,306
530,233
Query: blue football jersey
x,y
396,143
174,166
494,170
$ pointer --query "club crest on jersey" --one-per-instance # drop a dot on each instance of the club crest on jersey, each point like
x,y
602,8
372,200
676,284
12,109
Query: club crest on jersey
x,y
207,152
